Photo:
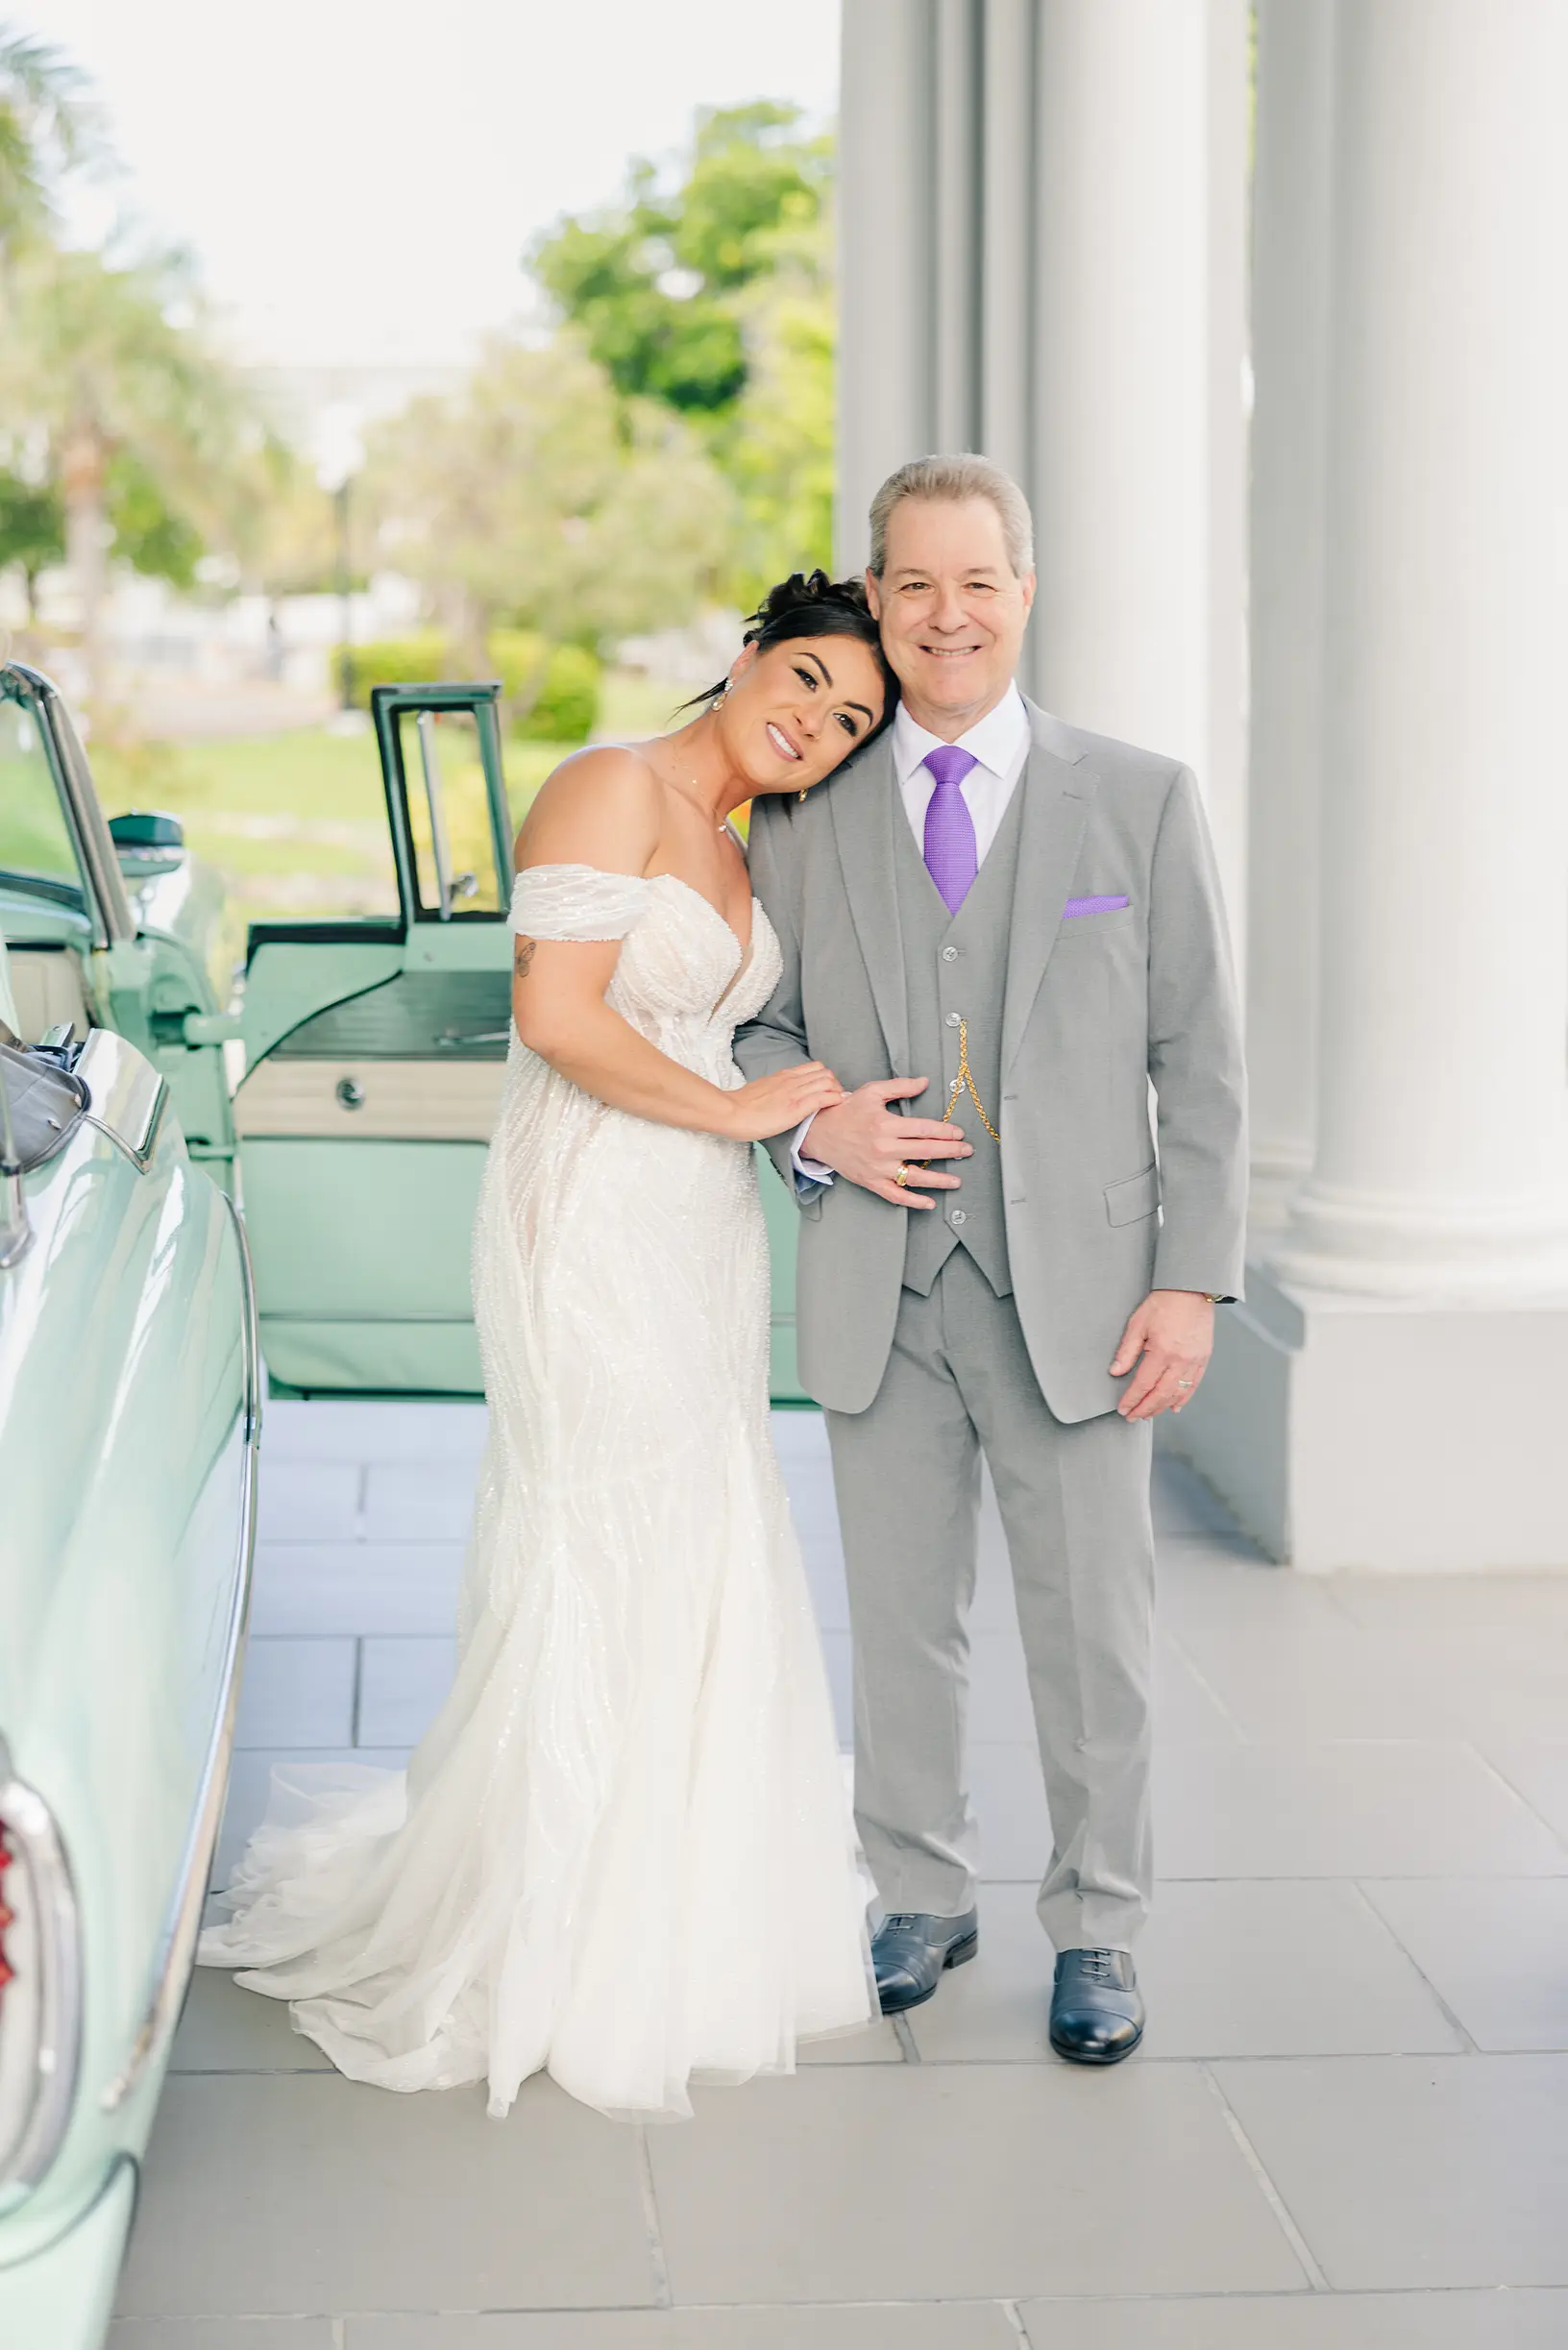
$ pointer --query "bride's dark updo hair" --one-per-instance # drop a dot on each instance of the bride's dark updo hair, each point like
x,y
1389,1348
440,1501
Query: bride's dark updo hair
x,y
815,606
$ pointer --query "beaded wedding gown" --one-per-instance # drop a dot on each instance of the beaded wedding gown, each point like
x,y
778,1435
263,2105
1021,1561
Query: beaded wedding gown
x,y
623,1852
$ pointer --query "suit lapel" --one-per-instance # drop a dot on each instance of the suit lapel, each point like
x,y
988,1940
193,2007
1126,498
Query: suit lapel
x,y
1057,794
865,808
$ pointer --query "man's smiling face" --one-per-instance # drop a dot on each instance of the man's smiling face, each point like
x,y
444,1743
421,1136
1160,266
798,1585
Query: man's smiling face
x,y
952,610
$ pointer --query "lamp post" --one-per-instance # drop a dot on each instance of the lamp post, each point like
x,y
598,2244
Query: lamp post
x,y
345,598
339,454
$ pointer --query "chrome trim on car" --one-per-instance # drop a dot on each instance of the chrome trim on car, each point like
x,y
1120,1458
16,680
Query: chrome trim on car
x,y
126,1094
171,1967
15,1231
37,1846
431,763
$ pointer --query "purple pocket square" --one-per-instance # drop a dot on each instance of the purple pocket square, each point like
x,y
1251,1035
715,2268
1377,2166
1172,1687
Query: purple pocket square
x,y
1093,905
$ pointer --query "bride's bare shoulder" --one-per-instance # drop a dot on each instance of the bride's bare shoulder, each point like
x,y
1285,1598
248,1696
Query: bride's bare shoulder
x,y
602,806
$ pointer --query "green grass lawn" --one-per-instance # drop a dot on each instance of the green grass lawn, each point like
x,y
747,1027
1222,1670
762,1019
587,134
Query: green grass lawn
x,y
296,824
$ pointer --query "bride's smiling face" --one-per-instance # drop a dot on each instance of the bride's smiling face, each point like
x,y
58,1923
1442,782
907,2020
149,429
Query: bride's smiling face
x,y
796,712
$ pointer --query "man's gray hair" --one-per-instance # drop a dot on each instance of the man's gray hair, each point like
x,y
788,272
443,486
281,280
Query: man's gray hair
x,y
954,480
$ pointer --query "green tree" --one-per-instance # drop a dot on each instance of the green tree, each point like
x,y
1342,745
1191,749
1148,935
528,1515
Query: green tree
x,y
109,364
32,530
537,499
712,297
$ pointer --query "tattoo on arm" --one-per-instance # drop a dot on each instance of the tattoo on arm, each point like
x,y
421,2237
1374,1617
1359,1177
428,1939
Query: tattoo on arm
x,y
522,956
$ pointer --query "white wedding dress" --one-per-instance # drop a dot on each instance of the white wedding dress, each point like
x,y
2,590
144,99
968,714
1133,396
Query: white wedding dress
x,y
623,1852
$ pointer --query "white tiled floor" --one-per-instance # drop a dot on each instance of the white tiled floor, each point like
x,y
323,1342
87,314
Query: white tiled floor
x,y
1347,2130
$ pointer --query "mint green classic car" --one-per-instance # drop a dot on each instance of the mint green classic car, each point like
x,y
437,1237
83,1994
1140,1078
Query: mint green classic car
x,y
129,1418
137,1308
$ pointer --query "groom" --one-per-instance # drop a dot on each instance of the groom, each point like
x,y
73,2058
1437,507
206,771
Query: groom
x,y
999,932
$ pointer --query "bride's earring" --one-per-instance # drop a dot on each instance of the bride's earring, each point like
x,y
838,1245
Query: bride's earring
x,y
803,794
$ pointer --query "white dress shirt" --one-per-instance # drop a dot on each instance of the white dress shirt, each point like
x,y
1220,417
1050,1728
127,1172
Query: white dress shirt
x,y
998,745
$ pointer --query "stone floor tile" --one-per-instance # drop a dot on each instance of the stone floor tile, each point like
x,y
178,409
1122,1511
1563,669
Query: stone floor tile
x,y
1431,1602
1497,1952
876,2044
272,2193
1009,1798
1000,1707
1306,2321
1281,1969
307,1501
1228,1969
1331,1679
225,2029
1204,1580
960,2183
1503,1675
836,1656
954,2325
799,1440
221,2332
1184,1505
297,1693
250,1779
1537,1769
1185,1708
403,1683
1407,2171
993,2007
355,1587
325,1429
417,1501
1364,1809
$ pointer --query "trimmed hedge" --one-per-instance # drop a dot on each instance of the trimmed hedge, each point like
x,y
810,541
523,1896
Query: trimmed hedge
x,y
550,694
559,706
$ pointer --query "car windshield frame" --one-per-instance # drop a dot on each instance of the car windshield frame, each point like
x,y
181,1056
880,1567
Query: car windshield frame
x,y
390,705
99,891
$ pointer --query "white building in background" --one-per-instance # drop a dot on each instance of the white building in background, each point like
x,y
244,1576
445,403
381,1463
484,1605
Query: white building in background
x,y
1045,217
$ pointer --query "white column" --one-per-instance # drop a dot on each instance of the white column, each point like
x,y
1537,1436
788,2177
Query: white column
x,y
955,322
1139,427
1290,233
1006,211
1441,1167
886,289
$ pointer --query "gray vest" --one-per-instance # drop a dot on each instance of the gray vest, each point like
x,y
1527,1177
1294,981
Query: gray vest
x,y
956,966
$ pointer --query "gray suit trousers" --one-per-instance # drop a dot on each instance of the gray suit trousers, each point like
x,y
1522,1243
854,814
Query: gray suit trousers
x,y
1074,1501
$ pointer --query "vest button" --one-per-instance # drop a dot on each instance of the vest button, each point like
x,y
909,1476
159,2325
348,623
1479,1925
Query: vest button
x,y
959,1216
955,1020
949,954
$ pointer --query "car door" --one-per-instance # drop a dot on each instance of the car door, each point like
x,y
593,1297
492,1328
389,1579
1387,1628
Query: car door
x,y
374,1053
373,1056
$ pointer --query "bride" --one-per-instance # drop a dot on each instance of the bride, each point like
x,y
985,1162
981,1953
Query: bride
x,y
622,1854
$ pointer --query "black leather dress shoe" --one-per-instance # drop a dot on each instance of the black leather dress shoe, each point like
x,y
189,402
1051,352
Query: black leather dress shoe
x,y
1096,2008
910,1950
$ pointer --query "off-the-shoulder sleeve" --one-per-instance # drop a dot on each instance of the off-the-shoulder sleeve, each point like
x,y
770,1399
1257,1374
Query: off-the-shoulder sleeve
x,y
575,901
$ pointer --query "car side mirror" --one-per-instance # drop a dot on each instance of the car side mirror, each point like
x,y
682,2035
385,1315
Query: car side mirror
x,y
147,832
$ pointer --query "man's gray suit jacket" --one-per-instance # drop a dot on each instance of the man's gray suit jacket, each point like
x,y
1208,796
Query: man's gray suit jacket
x,y
1098,1006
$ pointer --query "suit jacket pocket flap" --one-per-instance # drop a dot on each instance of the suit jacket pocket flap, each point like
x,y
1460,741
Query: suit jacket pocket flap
x,y
1130,1202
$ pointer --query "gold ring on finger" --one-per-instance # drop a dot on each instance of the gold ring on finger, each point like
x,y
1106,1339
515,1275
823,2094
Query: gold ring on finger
x,y
901,1174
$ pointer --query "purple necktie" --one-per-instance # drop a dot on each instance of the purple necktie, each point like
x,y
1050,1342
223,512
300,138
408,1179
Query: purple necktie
x,y
951,858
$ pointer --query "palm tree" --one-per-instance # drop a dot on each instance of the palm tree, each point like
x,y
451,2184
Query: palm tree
x,y
47,123
102,357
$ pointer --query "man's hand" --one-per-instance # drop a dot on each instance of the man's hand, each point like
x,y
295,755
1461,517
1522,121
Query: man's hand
x,y
1170,1337
863,1140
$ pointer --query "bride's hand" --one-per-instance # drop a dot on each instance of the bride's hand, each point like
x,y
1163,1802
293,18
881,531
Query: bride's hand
x,y
776,1105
